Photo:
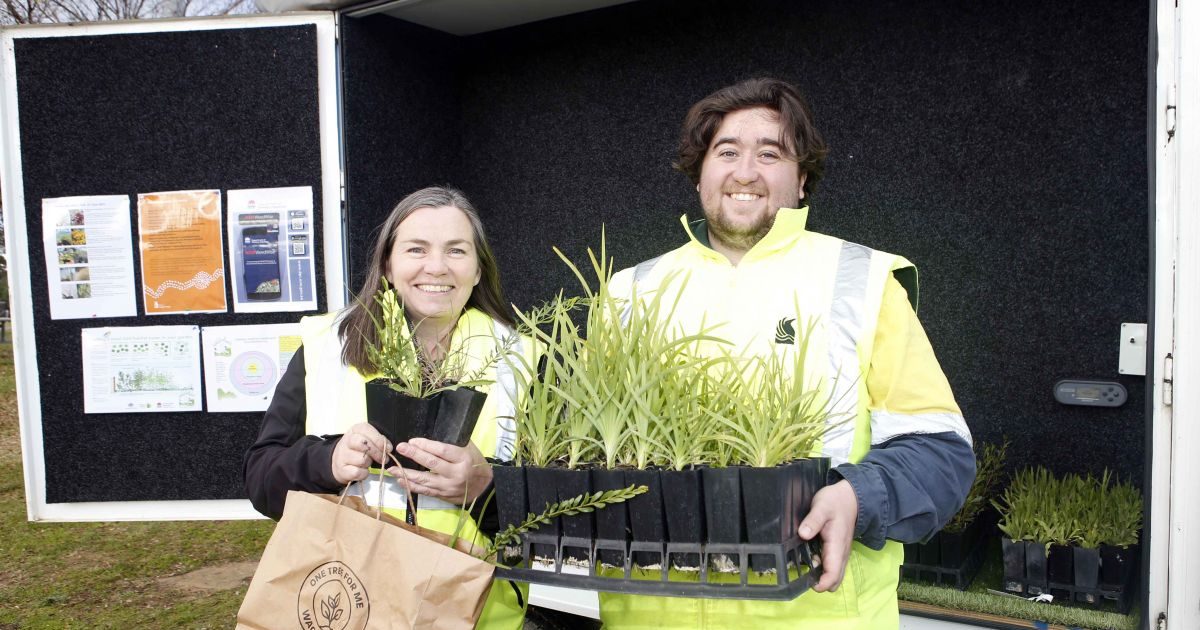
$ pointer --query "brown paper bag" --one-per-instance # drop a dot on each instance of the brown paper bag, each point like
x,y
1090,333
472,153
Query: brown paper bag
x,y
338,567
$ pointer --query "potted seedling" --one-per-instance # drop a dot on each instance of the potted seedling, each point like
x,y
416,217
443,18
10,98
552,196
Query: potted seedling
x,y
1024,558
412,397
1119,536
776,418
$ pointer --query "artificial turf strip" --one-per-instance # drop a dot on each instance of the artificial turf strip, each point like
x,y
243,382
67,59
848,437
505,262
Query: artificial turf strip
x,y
1017,609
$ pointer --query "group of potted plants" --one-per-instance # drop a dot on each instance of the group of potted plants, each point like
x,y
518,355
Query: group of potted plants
x,y
1074,536
723,442
953,554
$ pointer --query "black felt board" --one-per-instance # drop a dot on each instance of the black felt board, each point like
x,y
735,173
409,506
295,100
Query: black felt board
x,y
1000,146
139,113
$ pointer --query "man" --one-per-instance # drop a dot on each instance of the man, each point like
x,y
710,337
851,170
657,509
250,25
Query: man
x,y
903,464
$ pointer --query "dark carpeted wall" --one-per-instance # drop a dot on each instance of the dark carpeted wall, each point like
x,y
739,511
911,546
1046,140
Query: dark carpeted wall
x,y
1000,146
129,114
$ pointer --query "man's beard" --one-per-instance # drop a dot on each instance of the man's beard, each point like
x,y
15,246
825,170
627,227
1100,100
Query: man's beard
x,y
735,237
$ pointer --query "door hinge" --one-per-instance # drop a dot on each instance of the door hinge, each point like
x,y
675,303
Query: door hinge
x,y
1168,375
1170,112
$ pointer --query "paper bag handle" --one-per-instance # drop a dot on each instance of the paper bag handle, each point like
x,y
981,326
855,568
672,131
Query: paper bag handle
x,y
412,505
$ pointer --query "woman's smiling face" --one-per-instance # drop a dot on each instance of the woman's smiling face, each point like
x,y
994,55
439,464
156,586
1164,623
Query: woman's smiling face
x,y
433,264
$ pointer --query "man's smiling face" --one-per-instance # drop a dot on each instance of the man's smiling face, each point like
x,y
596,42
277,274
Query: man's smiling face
x,y
748,174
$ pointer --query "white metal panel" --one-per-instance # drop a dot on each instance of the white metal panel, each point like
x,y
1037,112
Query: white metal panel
x,y
28,389
1183,586
1158,531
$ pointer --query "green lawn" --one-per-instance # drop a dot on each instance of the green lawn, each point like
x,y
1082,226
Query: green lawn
x,y
107,575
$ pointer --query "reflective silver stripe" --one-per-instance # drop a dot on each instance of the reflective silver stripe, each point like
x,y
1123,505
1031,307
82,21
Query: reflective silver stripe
x,y
640,272
394,497
506,406
845,329
886,425
323,417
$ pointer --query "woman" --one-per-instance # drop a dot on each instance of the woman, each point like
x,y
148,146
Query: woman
x,y
314,437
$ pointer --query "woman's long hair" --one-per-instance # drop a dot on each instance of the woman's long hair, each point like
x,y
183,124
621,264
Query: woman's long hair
x,y
357,327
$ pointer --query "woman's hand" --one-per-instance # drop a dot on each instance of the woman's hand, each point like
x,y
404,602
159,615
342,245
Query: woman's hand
x,y
356,450
457,474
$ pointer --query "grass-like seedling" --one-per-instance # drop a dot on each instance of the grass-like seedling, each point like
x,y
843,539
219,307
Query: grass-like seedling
x,y
989,474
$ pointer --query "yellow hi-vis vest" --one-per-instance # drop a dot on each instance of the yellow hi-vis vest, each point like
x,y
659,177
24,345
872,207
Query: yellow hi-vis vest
x,y
790,277
335,396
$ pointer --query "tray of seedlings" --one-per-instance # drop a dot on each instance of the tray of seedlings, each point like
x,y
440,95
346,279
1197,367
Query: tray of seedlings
x,y
1075,538
724,440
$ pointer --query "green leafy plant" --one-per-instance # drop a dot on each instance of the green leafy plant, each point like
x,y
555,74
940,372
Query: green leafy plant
x,y
1075,509
1123,508
770,413
581,504
1018,506
399,362
542,410
989,474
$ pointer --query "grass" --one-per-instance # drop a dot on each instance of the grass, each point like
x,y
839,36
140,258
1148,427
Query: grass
x,y
108,575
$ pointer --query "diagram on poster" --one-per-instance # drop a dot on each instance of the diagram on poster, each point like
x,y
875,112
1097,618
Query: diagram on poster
x,y
89,257
242,364
182,267
271,249
141,369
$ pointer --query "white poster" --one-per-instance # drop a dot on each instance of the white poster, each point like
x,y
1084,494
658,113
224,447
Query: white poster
x,y
141,369
242,364
89,257
271,249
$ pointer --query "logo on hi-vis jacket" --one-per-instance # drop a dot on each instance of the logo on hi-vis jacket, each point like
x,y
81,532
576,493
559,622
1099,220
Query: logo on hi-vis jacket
x,y
785,331
332,598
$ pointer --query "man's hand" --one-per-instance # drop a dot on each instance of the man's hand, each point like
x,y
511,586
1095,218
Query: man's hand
x,y
457,474
355,451
833,515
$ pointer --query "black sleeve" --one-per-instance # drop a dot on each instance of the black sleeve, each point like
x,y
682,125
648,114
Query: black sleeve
x,y
284,458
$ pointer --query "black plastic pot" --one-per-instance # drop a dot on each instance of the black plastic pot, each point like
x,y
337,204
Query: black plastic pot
x,y
400,417
612,522
810,476
458,411
1087,568
572,483
957,547
511,502
542,486
449,416
1035,567
767,502
510,499
931,552
912,553
646,523
723,505
1059,563
1014,564
1116,565
682,499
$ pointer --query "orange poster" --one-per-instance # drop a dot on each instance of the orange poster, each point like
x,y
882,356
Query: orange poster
x,y
182,266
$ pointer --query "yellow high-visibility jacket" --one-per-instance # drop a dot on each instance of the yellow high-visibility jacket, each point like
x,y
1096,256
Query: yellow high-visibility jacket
x,y
867,347
335,396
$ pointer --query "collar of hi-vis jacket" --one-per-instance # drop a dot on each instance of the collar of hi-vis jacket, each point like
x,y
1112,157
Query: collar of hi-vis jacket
x,y
788,226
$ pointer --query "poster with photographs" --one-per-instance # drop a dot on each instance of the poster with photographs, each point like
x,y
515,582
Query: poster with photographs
x,y
89,257
145,369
